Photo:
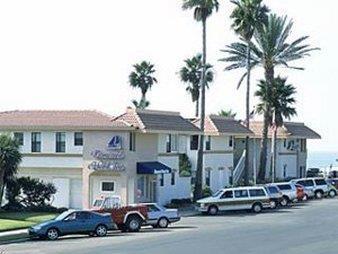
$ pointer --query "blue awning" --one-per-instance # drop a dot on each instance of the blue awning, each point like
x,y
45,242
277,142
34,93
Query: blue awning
x,y
152,167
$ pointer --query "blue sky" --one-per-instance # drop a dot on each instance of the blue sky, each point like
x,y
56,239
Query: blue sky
x,y
78,54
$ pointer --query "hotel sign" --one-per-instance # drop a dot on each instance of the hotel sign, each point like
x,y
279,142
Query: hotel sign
x,y
109,159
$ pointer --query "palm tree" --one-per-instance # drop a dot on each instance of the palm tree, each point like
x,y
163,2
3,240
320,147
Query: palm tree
x,y
142,78
247,16
191,73
227,113
10,158
281,102
202,10
269,49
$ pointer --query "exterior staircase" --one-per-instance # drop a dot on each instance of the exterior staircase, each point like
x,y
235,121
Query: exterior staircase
x,y
239,169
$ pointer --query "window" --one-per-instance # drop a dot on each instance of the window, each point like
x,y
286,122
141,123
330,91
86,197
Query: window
x,y
60,145
171,143
208,143
272,189
257,193
227,194
132,142
308,183
173,178
207,177
108,186
284,142
285,187
194,142
320,182
161,180
78,139
83,216
36,142
153,208
18,136
231,141
303,145
241,193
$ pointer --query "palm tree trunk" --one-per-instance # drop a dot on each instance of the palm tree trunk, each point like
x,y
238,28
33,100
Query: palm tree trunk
x,y
246,167
269,76
273,150
2,185
197,107
199,170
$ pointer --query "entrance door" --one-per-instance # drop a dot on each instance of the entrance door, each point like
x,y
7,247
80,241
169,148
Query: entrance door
x,y
146,188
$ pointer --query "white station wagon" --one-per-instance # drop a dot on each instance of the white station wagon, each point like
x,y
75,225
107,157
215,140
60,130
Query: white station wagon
x,y
240,198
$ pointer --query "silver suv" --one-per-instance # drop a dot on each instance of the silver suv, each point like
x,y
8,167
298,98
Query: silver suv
x,y
289,192
318,185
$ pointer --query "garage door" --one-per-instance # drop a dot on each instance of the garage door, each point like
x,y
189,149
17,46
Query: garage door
x,y
76,194
61,197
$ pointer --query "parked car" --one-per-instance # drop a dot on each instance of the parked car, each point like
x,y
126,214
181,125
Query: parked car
x,y
73,222
241,198
289,192
318,185
333,183
160,217
275,194
127,218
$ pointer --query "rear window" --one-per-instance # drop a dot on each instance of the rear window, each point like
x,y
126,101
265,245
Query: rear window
x,y
320,182
272,189
257,193
241,194
285,187
308,183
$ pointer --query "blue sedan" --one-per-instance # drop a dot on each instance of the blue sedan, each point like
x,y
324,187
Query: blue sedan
x,y
73,222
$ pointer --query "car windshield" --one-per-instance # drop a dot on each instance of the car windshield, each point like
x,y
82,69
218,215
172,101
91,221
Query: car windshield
x,y
63,215
217,193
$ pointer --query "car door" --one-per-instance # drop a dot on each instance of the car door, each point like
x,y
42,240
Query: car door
x,y
86,222
241,200
70,224
226,201
154,212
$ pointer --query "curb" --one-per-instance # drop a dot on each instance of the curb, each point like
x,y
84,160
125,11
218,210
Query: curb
x,y
13,238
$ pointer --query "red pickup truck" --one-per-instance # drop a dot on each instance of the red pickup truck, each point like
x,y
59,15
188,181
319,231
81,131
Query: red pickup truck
x,y
127,218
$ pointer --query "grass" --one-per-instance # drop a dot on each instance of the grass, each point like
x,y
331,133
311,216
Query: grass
x,y
19,220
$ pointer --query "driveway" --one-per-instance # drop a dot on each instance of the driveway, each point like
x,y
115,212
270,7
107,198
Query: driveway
x,y
310,227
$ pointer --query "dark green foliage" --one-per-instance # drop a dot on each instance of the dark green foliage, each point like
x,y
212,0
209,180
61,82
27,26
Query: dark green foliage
x,y
227,113
207,192
184,166
202,8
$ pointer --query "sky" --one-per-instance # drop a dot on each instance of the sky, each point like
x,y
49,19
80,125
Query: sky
x,y
77,54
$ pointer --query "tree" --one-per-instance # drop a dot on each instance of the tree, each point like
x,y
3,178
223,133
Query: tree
x,y
142,78
10,158
191,73
269,49
247,16
202,10
281,101
227,113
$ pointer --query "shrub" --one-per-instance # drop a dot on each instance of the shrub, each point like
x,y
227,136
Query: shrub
x,y
206,192
184,165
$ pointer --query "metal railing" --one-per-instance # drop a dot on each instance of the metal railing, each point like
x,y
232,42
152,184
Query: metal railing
x,y
238,171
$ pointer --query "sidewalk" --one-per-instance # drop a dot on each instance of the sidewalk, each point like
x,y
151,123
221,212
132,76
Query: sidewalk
x,y
13,236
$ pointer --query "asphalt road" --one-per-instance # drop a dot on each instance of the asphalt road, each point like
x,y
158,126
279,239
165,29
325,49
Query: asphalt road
x,y
310,227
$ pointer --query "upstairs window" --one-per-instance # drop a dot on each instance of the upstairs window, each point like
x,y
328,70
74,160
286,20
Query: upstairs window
x,y
107,186
207,177
208,143
78,139
171,143
194,142
231,141
303,145
132,142
18,136
60,146
36,142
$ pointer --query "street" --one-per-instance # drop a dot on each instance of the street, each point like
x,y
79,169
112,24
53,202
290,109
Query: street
x,y
303,228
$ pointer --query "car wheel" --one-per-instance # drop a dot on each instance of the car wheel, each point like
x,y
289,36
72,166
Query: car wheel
x,y
133,224
319,195
273,204
52,234
101,230
332,193
256,208
163,223
284,202
213,210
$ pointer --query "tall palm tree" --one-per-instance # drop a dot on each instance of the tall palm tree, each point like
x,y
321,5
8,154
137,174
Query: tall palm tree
x,y
247,16
281,101
202,10
10,158
191,73
269,49
142,78
227,113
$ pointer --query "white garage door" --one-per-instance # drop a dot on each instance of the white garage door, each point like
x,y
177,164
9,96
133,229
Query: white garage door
x,y
76,194
61,198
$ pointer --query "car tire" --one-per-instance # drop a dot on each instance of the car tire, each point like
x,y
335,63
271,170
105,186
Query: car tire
x,y
318,195
162,223
101,230
284,202
332,193
52,234
213,210
257,208
273,204
133,223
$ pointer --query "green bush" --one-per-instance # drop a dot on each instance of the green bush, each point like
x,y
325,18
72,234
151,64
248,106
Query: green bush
x,y
206,192
184,165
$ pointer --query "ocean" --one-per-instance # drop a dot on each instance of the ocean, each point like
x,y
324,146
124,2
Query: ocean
x,y
322,159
